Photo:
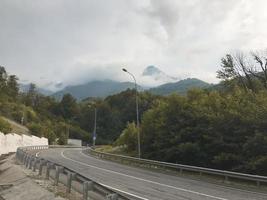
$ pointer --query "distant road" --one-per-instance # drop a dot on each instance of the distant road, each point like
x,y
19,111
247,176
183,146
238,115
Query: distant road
x,y
143,183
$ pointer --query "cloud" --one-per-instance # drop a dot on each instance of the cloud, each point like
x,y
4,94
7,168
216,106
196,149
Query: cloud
x,y
69,42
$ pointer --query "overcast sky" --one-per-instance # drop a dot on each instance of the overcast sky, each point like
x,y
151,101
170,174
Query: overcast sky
x,y
75,41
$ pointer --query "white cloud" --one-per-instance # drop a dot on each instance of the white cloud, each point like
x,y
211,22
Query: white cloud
x,y
78,41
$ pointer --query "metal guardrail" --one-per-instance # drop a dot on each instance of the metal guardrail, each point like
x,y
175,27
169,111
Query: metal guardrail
x,y
27,156
177,167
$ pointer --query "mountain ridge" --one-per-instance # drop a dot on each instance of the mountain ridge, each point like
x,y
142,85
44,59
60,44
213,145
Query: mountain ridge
x,y
94,89
180,87
102,89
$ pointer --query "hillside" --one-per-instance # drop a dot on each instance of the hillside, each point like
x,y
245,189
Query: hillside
x,y
94,89
180,87
17,128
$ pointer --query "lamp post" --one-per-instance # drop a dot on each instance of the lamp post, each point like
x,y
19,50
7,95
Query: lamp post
x,y
94,131
137,114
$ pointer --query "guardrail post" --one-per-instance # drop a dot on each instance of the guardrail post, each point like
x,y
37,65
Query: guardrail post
x,y
31,162
70,177
28,161
87,186
59,169
42,162
34,164
112,197
25,159
48,165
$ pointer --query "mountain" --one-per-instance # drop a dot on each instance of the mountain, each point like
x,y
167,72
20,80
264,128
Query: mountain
x,y
94,89
25,88
180,87
154,74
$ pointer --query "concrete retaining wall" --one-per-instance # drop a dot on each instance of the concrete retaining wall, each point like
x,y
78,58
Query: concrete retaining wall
x,y
75,142
10,142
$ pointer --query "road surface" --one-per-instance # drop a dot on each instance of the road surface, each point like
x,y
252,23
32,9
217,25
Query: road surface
x,y
143,183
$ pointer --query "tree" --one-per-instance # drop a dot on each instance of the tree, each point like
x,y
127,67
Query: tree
x,y
3,79
12,86
259,70
31,95
68,106
245,70
128,137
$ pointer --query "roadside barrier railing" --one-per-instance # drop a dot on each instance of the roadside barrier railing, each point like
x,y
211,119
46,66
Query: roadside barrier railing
x,y
72,179
177,167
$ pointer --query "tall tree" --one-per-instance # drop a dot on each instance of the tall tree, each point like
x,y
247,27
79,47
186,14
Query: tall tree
x,y
31,95
3,79
13,87
246,70
68,106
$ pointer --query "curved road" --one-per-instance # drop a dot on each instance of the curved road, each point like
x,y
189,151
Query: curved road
x,y
143,183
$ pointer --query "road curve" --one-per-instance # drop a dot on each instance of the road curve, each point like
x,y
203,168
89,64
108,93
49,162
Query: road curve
x,y
143,183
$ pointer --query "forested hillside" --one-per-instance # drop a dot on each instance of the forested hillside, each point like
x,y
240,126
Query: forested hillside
x,y
41,114
225,129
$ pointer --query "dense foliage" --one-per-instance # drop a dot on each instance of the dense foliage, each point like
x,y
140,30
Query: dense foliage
x,y
44,116
224,129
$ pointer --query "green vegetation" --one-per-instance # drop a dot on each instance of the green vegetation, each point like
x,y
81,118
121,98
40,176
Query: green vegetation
x,y
5,127
222,127
44,116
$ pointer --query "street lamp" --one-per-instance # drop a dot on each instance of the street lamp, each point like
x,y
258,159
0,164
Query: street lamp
x,y
137,113
94,132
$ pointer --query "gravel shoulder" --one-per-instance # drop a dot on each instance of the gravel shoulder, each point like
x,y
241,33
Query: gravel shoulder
x,y
16,183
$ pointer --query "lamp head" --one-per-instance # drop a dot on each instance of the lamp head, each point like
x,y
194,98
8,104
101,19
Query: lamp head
x,y
123,69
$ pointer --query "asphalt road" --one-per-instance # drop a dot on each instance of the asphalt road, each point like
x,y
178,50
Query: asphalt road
x,y
143,183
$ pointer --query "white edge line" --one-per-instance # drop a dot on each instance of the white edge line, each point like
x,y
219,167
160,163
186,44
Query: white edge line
x,y
219,186
140,179
127,193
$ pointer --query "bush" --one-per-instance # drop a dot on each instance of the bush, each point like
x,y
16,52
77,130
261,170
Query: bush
x,y
5,127
128,137
36,129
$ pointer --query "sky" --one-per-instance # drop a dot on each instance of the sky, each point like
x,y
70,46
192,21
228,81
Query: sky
x,y
60,42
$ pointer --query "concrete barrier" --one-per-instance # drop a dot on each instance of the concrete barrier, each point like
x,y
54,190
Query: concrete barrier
x,y
10,142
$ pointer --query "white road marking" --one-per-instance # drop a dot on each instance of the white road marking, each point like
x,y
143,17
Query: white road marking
x,y
140,179
115,189
218,186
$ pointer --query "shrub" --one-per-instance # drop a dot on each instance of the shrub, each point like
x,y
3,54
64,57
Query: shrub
x,y
5,127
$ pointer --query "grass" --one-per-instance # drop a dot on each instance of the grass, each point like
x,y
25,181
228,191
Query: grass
x,y
17,128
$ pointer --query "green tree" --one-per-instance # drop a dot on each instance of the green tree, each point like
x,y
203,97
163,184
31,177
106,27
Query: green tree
x,y
68,106
31,95
13,87
3,79
128,137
